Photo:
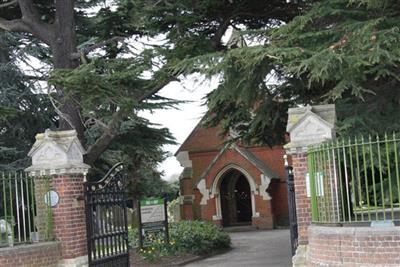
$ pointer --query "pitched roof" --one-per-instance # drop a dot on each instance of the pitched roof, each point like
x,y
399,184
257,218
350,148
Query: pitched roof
x,y
63,139
247,154
325,113
203,139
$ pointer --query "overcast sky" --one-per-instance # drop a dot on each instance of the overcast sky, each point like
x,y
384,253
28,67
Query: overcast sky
x,y
181,122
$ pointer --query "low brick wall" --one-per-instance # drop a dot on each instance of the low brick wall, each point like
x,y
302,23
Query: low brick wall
x,y
46,254
353,246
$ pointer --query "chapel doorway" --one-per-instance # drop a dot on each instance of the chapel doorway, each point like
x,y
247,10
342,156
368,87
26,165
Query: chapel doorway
x,y
235,193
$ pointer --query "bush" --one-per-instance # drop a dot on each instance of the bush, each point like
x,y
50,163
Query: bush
x,y
186,237
196,237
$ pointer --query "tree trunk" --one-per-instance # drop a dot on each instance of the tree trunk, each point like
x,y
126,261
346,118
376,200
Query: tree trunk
x,y
63,46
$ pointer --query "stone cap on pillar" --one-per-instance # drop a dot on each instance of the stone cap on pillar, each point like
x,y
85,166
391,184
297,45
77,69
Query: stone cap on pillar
x,y
57,152
310,125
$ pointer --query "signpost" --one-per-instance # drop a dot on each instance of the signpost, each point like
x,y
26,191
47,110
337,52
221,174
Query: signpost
x,y
153,219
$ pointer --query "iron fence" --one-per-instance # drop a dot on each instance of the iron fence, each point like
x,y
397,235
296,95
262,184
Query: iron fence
x,y
355,180
20,221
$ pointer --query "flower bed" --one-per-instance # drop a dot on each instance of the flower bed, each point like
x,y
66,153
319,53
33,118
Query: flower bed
x,y
186,238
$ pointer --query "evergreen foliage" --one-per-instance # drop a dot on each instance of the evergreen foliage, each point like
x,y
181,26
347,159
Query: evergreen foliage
x,y
340,51
100,81
97,83
19,109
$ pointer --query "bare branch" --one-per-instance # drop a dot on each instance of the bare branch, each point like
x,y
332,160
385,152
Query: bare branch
x,y
60,113
89,49
37,78
102,143
16,25
31,17
7,4
216,39
94,121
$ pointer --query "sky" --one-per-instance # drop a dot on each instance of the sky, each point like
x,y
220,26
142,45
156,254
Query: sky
x,y
181,121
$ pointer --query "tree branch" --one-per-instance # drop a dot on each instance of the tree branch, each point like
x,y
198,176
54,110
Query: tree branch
x,y
16,25
89,49
112,128
37,78
216,40
7,4
31,17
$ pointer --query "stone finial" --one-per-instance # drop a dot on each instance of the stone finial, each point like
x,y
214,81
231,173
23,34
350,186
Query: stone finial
x,y
57,152
310,125
184,160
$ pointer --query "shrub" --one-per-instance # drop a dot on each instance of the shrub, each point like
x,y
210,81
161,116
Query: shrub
x,y
198,237
192,237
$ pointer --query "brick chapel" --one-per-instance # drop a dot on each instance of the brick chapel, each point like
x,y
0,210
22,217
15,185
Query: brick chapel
x,y
231,184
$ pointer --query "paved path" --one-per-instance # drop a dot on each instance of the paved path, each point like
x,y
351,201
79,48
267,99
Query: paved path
x,y
253,249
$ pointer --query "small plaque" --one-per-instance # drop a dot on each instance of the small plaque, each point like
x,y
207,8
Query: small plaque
x,y
152,210
51,198
382,224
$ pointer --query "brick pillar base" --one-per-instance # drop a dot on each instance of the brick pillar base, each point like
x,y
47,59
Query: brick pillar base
x,y
307,126
58,155
303,203
69,215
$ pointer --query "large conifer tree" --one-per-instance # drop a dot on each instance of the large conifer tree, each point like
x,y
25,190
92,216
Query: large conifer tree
x,y
337,51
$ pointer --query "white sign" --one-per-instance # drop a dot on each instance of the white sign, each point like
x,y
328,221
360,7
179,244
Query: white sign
x,y
319,184
54,198
152,213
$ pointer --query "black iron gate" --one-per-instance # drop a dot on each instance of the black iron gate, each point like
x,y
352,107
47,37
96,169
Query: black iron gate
x,y
292,208
106,219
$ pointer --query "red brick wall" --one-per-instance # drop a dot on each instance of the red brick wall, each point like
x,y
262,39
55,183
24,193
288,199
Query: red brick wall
x,y
273,157
187,211
46,254
353,246
264,208
303,204
186,186
200,162
207,211
203,139
186,189
69,215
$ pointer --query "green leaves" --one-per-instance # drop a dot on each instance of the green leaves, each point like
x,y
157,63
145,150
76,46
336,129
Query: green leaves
x,y
339,51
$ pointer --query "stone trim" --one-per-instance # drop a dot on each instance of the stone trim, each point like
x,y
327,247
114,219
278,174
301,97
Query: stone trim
x,y
215,190
57,170
183,158
353,246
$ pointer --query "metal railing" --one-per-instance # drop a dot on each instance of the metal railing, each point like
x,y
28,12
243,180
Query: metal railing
x,y
355,180
20,221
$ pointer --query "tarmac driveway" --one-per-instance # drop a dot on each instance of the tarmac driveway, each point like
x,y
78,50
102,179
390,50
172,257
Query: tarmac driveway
x,y
253,249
